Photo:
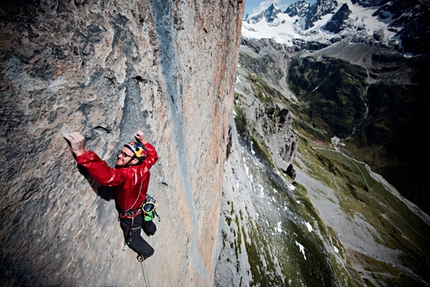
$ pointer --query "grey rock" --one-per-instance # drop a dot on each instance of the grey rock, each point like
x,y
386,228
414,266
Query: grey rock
x,y
336,23
106,69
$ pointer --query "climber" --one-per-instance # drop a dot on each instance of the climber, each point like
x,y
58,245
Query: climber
x,y
130,179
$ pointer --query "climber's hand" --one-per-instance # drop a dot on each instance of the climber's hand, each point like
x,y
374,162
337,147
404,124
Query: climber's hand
x,y
140,137
76,143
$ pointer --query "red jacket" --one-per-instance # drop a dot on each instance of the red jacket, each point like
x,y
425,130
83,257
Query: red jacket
x,y
130,183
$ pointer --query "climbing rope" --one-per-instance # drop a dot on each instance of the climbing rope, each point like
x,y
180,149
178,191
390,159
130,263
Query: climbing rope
x,y
145,275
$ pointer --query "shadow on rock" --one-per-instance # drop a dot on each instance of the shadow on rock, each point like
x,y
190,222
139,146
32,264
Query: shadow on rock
x,y
104,192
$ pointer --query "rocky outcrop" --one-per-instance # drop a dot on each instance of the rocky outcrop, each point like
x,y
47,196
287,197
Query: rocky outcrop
x,y
317,11
410,22
106,69
274,128
299,8
336,23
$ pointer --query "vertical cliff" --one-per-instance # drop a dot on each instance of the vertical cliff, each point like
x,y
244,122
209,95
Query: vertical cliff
x,y
106,69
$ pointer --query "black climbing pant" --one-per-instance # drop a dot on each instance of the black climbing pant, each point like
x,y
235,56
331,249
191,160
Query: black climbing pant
x,y
133,238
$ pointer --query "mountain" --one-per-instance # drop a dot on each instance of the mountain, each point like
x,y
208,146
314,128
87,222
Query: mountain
x,y
410,21
319,213
402,25
351,205
389,74
337,22
299,8
269,15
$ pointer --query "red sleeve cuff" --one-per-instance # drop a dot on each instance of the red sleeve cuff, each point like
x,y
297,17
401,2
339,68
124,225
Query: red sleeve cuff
x,y
86,157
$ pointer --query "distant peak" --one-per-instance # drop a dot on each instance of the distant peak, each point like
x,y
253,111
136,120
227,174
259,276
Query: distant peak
x,y
273,6
269,14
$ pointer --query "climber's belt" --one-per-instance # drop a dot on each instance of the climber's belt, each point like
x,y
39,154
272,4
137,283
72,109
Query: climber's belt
x,y
130,213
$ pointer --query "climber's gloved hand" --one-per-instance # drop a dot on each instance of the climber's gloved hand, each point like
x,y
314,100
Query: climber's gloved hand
x,y
76,142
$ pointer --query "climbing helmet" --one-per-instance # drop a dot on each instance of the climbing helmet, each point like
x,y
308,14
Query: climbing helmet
x,y
138,149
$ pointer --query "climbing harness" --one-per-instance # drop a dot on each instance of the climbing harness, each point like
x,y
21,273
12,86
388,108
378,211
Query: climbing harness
x,y
148,208
129,213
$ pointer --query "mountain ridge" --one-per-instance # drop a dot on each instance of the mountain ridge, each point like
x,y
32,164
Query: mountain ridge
x,y
401,25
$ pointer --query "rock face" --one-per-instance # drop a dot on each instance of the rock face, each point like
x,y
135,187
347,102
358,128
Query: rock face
x,y
106,69
337,21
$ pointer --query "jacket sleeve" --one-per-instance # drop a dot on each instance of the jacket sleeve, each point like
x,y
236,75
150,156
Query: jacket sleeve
x,y
152,156
100,171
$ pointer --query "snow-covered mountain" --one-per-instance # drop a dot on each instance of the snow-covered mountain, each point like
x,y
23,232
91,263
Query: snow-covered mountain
x,y
402,25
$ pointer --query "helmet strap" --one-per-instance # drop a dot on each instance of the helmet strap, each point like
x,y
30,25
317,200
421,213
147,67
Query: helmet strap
x,y
128,163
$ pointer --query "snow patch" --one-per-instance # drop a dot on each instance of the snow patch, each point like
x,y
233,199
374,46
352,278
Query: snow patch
x,y
278,227
301,249
309,226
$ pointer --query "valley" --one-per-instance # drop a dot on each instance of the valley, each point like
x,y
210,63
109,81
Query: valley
x,y
337,196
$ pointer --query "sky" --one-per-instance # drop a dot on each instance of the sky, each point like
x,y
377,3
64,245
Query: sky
x,y
255,6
